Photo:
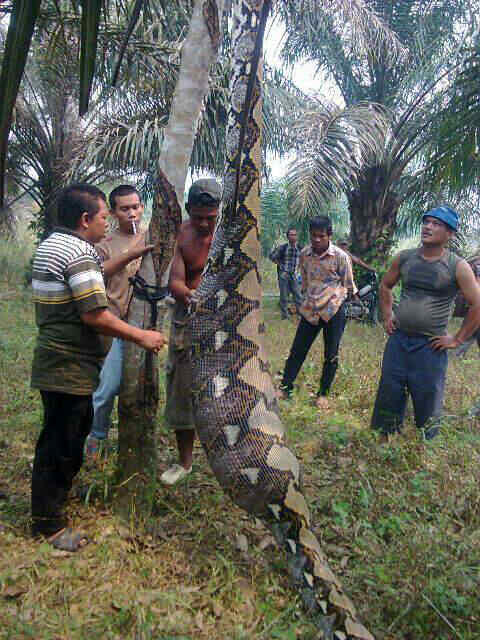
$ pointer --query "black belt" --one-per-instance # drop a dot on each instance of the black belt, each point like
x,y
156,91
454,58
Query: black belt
x,y
150,293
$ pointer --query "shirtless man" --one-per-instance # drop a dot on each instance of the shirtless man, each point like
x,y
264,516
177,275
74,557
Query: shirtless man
x,y
189,258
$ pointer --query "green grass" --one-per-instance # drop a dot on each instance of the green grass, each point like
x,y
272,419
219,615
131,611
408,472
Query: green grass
x,y
400,523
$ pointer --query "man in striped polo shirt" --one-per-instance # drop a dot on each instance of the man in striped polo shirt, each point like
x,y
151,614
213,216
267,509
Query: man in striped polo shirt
x,y
71,310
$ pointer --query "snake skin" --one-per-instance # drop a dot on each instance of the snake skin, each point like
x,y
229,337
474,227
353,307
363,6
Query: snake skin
x,y
235,405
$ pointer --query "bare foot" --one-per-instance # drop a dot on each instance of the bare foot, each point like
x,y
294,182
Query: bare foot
x,y
322,402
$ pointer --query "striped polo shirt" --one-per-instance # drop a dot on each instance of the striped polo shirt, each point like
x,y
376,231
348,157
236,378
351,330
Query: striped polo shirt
x,y
67,281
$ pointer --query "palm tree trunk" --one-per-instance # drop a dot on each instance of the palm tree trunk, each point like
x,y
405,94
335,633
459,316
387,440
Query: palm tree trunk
x,y
373,215
137,456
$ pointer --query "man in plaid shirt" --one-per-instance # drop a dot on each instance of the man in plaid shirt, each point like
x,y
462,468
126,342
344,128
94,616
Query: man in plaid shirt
x,y
286,257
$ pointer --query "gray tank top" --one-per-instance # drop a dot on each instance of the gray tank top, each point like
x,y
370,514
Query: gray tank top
x,y
428,292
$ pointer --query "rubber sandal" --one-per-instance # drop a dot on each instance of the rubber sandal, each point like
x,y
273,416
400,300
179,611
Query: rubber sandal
x,y
174,474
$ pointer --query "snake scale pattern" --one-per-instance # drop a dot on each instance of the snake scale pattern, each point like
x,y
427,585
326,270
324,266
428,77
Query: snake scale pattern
x,y
234,398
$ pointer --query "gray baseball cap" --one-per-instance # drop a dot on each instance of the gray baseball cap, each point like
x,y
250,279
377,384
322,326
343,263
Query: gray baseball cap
x,y
204,192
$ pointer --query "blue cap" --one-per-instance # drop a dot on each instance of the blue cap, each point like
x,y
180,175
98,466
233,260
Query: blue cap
x,y
446,215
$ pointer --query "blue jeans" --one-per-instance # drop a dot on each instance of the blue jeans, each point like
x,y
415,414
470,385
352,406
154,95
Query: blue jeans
x,y
410,365
108,388
288,283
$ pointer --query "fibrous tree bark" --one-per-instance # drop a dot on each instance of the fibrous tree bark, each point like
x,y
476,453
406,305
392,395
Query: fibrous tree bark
x,y
373,214
137,458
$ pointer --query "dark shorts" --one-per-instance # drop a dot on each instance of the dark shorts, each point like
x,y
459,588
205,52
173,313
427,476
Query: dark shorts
x,y
410,365
178,405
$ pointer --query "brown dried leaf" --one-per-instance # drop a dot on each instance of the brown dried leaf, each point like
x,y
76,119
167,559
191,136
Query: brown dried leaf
x,y
266,542
199,620
60,553
357,630
14,591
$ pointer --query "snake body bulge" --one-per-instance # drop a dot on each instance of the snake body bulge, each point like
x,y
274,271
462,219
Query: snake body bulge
x,y
235,407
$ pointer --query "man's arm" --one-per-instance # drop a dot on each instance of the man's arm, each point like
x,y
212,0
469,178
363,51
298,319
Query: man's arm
x,y
88,291
360,262
106,323
469,287
274,255
177,282
117,263
346,274
389,280
303,272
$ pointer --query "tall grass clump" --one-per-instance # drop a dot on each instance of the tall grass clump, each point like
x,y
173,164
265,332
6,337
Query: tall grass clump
x,y
15,257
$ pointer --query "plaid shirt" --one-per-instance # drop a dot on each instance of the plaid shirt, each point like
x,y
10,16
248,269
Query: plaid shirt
x,y
327,280
292,257
286,257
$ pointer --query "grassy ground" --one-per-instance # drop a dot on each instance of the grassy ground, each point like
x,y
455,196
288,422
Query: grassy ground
x,y
400,523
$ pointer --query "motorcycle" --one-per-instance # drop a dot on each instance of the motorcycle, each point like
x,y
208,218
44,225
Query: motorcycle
x,y
364,308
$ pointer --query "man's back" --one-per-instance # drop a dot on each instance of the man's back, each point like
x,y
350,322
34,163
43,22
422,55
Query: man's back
x,y
67,281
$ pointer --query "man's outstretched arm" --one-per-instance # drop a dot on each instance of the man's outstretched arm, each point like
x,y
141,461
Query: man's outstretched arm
x,y
389,280
360,262
117,263
106,323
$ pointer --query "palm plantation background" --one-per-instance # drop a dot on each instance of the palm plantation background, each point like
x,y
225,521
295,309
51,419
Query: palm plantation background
x,y
400,137
90,91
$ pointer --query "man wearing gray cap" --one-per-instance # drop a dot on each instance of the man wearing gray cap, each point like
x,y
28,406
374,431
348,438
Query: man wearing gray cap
x,y
415,358
189,258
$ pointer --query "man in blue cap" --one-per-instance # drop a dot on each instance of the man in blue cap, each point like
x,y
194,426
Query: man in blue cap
x,y
415,358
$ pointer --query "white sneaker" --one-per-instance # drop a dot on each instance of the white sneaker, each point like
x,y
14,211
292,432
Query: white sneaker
x,y
174,474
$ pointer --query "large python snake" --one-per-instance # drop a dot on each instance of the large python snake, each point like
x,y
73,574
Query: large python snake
x,y
235,406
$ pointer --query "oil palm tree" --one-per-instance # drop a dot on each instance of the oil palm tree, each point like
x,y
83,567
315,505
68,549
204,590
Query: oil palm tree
x,y
412,87
28,15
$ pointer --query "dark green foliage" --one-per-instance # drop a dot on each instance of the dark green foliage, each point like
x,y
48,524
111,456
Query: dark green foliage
x,y
412,79
20,31
88,50
279,213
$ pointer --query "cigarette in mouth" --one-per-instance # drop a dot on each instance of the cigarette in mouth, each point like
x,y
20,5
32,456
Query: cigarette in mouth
x,y
134,227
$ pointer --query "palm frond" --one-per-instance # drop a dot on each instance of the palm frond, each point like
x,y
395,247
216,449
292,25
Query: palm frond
x,y
454,154
336,144
19,36
354,21
131,26
88,49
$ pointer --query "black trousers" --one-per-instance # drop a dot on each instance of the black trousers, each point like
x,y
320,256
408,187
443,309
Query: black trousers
x,y
306,334
58,457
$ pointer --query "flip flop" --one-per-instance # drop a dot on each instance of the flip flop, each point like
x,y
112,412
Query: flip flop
x,y
69,540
